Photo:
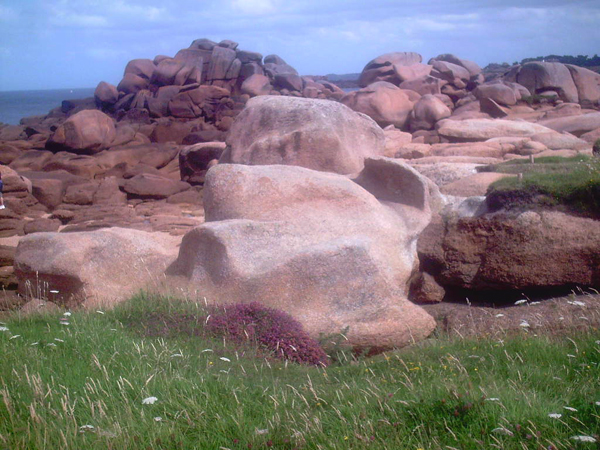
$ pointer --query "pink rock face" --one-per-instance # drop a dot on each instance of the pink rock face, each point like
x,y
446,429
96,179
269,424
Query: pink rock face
x,y
131,84
318,134
93,268
383,102
88,131
587,83
449,72
408,73
424,85
472,67
106,94
315,245
483,129
427,112
143,68
256,85
152,186
538,77
384,67
498,92
576,125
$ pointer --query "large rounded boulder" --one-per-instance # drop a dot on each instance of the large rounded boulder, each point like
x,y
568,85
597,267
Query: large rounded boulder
x,y
87,132
316,245
92,268
384,68
384,102
317,134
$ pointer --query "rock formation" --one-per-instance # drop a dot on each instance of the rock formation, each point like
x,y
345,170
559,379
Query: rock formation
x,y
316,245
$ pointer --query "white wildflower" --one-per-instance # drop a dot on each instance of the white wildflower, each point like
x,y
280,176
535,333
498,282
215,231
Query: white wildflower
x,y
35,343
493,399
520,302
58,340
502,430
2,328
222,358
571,356
67,314
54,291
561,318
597,342
51,344
524,324
149,401
259,431
113,329
555,416
64,323
597,403
576,303
84,428
534,303
158,419
568,408
499,315
583,438
206,350
14,337
100,312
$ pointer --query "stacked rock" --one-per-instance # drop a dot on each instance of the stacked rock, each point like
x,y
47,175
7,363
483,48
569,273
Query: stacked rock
x,y
207,80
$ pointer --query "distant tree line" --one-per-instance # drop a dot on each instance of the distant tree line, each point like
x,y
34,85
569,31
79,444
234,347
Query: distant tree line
x,y
579,60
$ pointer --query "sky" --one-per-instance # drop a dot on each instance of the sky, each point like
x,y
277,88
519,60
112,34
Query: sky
x,y
52,44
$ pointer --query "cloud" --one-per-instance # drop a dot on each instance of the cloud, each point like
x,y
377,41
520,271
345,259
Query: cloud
x,y
150,13
253,7
79,20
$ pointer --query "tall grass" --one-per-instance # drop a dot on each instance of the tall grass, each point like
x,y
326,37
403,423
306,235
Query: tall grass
x,y
87,381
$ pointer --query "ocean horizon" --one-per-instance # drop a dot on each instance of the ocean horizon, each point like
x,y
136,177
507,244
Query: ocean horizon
x,y
14,105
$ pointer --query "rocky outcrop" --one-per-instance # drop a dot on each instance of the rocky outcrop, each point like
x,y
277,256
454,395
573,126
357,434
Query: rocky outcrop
x,y
315,245
317,134
86,132
93,268
383,102
503,252
569,83
384,67
483,129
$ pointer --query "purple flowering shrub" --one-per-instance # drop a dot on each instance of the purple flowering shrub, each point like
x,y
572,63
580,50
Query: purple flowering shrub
x,y
274,330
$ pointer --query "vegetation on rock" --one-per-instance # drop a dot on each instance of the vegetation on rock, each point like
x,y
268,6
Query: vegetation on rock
x,y
572,184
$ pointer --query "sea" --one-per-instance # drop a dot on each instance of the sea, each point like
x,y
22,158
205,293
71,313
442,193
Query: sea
x,y
15,105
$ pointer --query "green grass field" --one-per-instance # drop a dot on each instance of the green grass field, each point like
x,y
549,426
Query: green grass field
x,y
104,380
551,182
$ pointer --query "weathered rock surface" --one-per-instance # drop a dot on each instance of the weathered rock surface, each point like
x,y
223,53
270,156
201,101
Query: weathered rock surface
x,y
427,112
504,252
88,131
94,268
315,245
317,134
382,68
576,125
384,102
483,129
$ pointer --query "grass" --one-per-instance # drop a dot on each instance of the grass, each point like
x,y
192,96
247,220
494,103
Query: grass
x,y
572,184
83,385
